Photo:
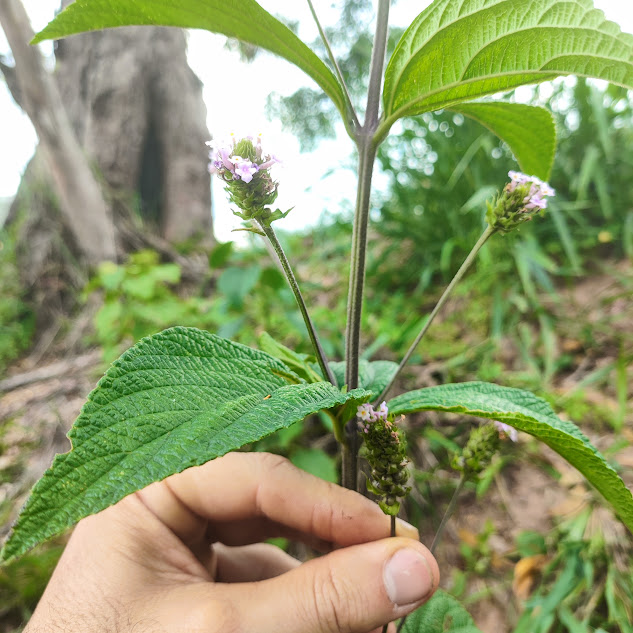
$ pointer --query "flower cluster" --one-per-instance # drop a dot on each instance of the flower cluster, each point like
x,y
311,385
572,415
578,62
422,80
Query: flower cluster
x,y
522,198
245,170
386,454
478,452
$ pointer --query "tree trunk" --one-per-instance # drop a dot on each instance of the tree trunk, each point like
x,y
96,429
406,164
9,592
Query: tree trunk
x,y
137,109
80,196
137,114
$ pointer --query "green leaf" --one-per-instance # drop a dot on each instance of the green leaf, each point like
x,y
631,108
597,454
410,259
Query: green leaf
x,y
298,363
244,20
460,50
373,376
441,614
220,255
315,462
236,283
527,413
529,132
175,400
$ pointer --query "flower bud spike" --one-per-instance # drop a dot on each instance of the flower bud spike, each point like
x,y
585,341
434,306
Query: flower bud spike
x,y
386,454
521,199
245,170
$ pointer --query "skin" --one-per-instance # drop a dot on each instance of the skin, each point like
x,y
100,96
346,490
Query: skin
x,y
185,556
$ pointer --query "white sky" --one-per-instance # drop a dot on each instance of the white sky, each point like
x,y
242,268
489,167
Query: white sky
x,y
235,95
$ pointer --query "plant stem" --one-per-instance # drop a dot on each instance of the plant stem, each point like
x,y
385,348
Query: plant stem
x,y
339,74
392,534
456,279
449,513
366,156
349,458
314,338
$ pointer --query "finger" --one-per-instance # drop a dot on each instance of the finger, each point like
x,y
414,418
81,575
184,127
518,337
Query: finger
x,y
356,589
250,563
240,487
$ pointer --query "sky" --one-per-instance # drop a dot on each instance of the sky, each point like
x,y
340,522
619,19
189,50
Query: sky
x,y
235,95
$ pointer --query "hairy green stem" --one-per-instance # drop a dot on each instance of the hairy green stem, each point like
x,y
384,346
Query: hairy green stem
x,y
427,324
355,122
366,156
449,513
312,333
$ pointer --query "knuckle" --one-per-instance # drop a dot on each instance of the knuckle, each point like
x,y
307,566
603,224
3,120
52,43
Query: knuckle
x,y
335,607
270,461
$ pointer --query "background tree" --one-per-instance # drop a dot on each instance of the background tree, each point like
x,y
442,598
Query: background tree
x,y
121,161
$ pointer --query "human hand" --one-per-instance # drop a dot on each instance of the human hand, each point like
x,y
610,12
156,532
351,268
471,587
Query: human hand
x,y
184,556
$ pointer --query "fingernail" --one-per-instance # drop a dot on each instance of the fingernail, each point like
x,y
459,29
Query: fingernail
x,y
407,577
407,530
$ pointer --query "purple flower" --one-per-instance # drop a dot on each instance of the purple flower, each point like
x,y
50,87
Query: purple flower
x,y
226,163
365,412
535,202
506,430
244,168
522,198
383,411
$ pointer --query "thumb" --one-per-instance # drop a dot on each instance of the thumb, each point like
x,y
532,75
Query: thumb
x,y
352,590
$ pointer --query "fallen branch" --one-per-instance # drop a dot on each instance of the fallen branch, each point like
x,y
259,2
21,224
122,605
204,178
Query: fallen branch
x,y
54,370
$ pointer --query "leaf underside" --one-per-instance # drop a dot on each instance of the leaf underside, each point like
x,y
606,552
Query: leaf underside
x,y
373,376
460,50
175,400
530,414
529,132
441,614
244,20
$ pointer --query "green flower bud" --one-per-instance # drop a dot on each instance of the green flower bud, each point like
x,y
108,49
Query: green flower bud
x,y
385,451
478,452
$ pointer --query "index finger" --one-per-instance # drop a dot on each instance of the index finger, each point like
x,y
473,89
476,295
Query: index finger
x,y
260,486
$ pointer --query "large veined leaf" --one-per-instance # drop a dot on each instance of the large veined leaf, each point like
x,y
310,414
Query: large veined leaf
x,y
175,400
373,376
441,614
525,412
242,19
529,132
459,50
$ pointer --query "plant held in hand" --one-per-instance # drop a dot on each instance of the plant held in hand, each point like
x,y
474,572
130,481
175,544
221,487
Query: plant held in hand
x,y
183,397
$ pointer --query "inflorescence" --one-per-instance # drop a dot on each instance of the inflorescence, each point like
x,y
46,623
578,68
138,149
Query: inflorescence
x,y
386,454
245,170
522,198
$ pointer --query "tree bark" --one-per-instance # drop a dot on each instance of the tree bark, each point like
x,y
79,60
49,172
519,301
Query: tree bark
x,y
138,110
137,113
80,197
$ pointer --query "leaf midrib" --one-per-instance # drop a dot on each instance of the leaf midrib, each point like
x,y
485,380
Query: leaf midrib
x,y
545,75
420,49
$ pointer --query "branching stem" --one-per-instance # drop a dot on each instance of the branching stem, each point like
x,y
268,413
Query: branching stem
x,y
366,156
427,324
314,338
